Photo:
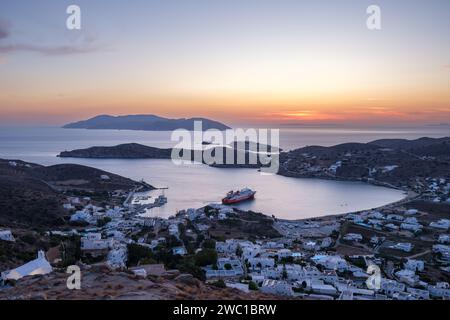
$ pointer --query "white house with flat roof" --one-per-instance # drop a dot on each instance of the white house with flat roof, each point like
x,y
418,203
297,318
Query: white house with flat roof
x,y
419,294
319,287
395,217
311,245
250,251
413,227
444,239
376,215
441,248
414,265
390,287
403,246
277,287
409,277
440,290
94,241
411,212
391,226
443,224
228,247
353,237
331,262
261,263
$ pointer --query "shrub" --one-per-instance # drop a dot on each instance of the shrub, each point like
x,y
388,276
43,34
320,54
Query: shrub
x,y
220,284
103,222
188,265
253,286
209,244
137,253
206,257
173,241
28,238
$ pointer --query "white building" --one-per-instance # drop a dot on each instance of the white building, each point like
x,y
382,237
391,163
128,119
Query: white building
x,y
414,265
407,276
261,263
12,163
277,287
140,272
273,245
229,247
411,212
376,240
39,266
181,251
283,253
333,168
345,286
411,220
331,262
82,216
116,212
225,268
403,246
390,287
354,237
395,217
117,257
326,243
173,229
441,248
376,223
444,239
94,241
443,224
391,226
411,227
419,294
440,290
116,235
68,206
311,246
250,250
319,287
6,235
240,286
376,215
356,218
74,200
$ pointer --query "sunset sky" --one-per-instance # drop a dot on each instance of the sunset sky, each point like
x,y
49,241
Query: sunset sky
x,y
246,61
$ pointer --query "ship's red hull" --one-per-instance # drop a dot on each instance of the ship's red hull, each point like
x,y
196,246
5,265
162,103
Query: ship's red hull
x,y
238,200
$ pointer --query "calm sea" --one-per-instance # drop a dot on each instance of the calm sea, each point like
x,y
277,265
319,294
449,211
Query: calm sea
x,y
192,186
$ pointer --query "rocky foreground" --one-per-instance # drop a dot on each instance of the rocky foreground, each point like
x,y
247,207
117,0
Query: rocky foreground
x,y
101,283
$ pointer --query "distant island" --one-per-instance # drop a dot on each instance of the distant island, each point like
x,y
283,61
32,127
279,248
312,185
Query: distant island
x,y
122,151
395,163
144,123
139,151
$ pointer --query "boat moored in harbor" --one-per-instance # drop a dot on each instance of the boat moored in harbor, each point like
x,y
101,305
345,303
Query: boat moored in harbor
x,y
234,197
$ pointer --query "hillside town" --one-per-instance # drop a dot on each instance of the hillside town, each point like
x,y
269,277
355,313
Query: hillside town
x,y
398,252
